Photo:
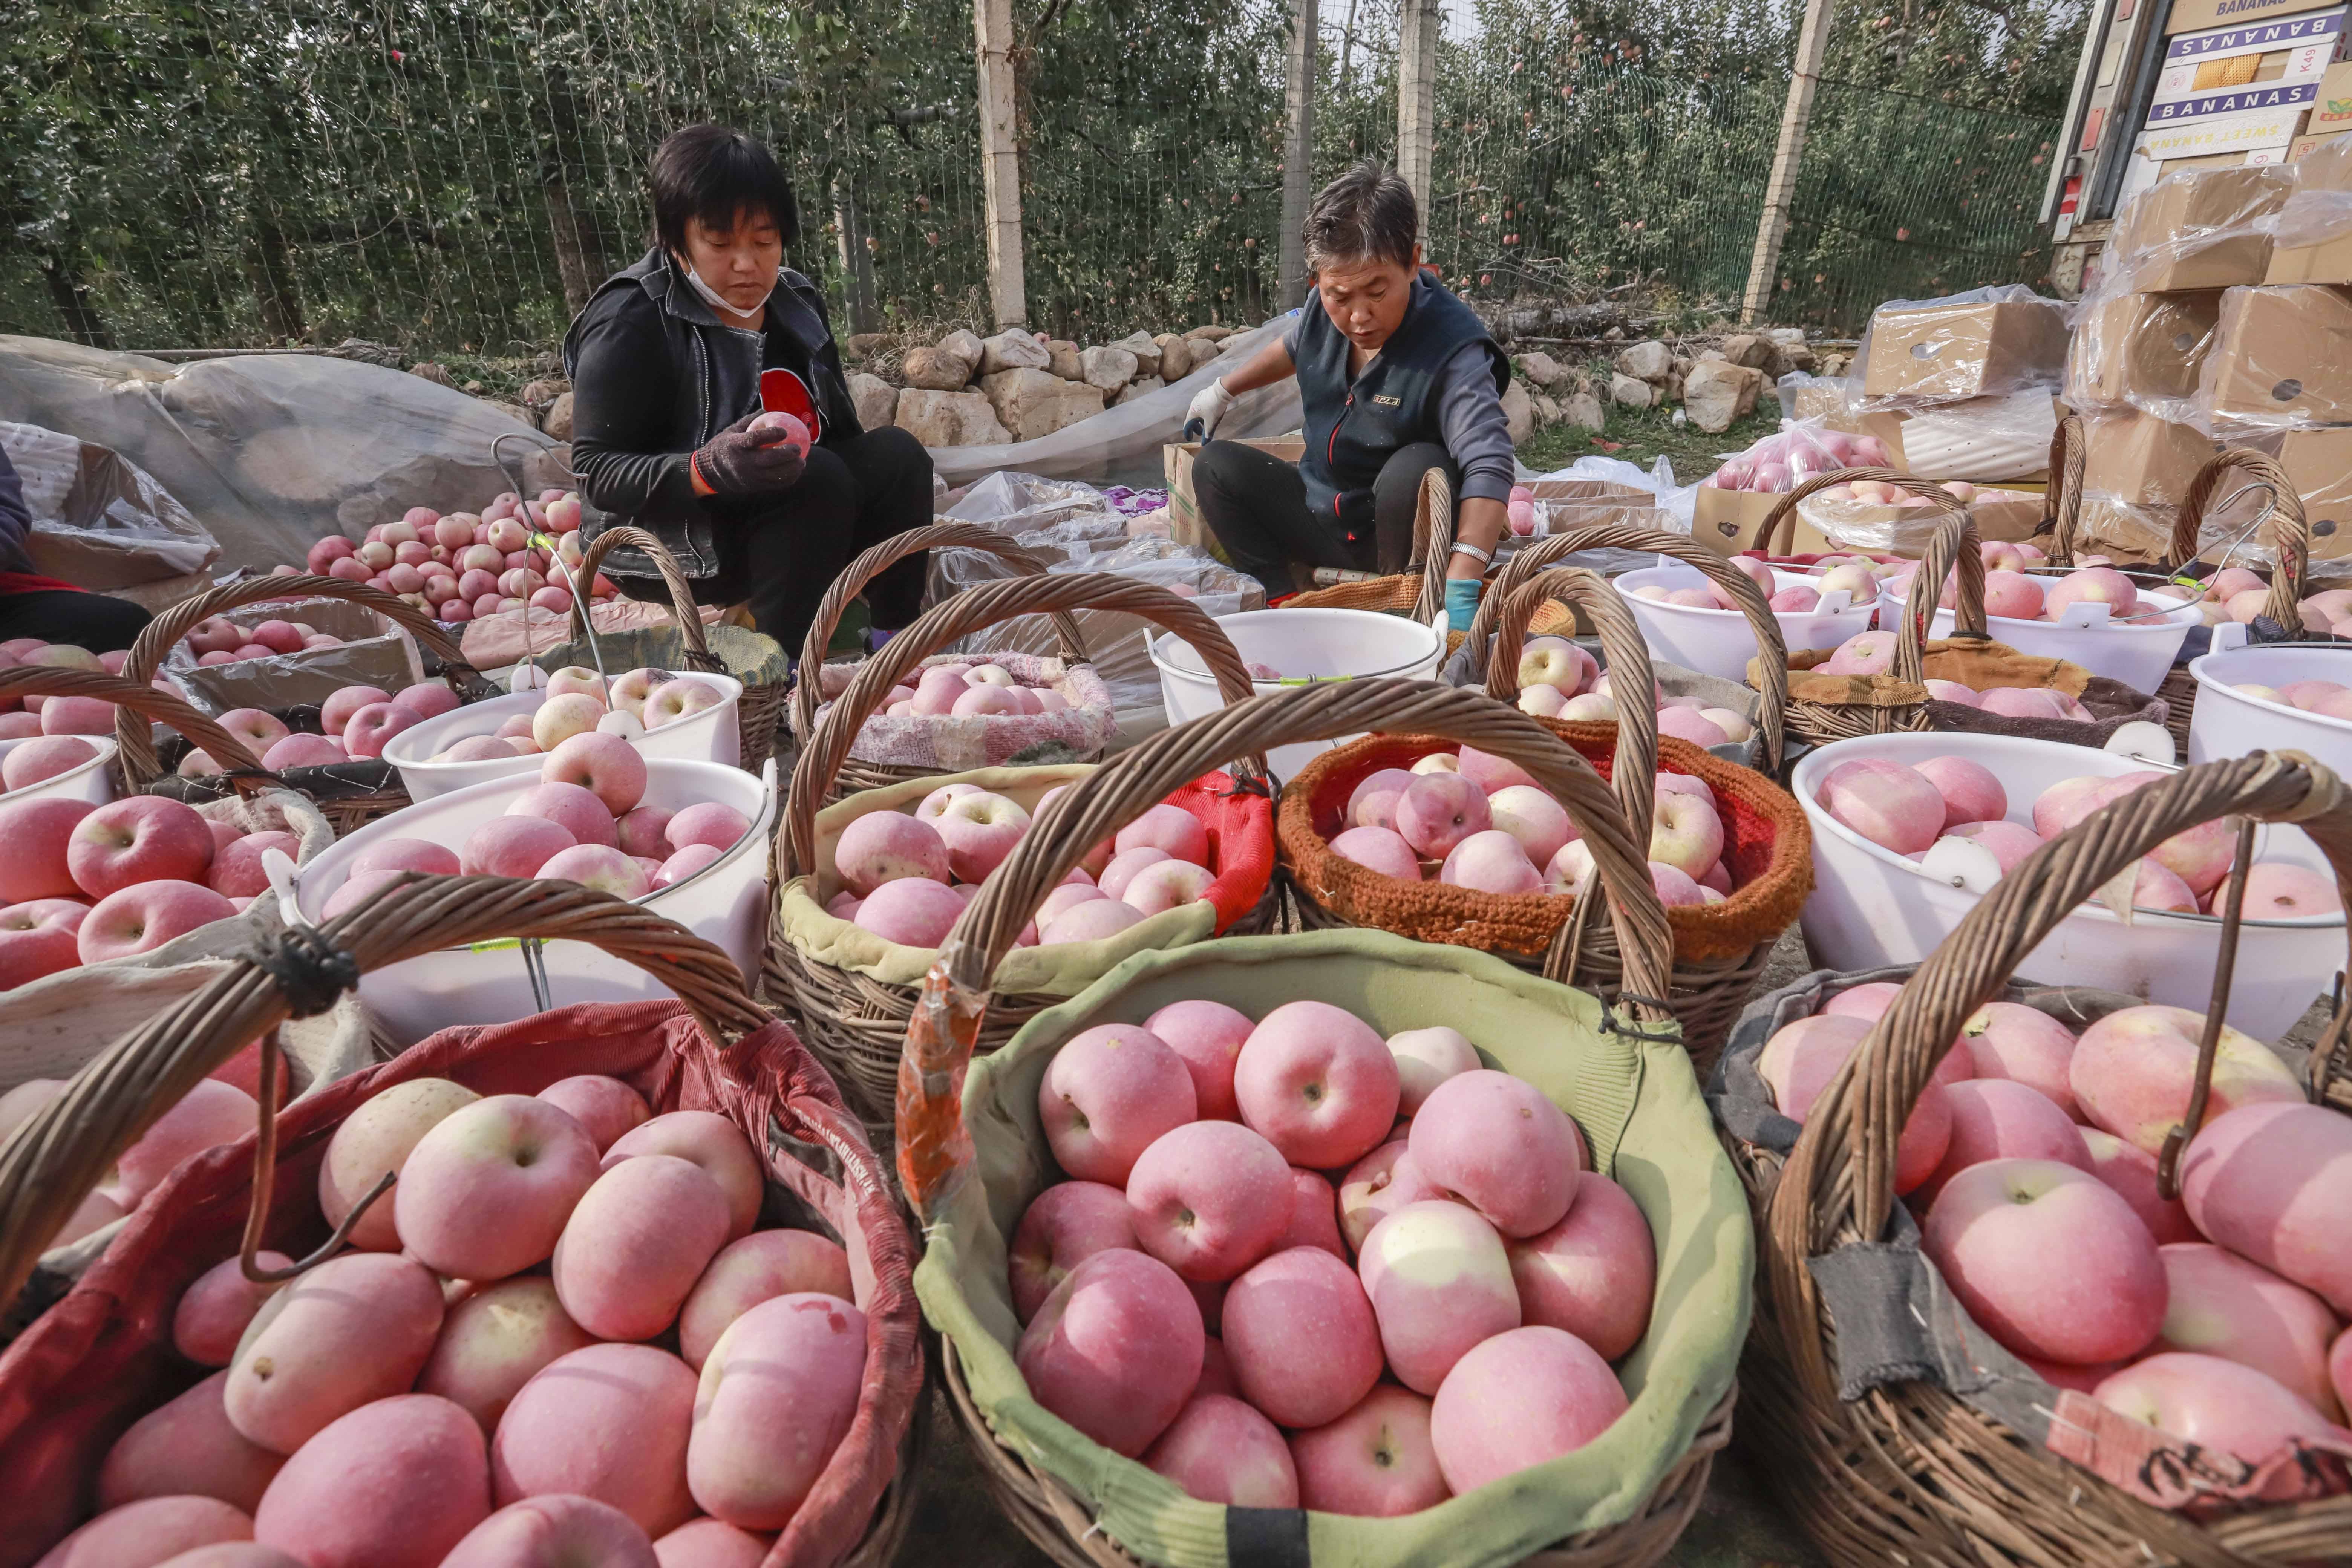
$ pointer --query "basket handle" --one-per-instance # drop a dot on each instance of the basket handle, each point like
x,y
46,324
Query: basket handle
x,y
1432,542
681,593
139,765
1953,546
1770,643
973,610
138,706
1635,773
2288,526
1778,533
50,1161
880,559
2062,507
1839,1181
935,1155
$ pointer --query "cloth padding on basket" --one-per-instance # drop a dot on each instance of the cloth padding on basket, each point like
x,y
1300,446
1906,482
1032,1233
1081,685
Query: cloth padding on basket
x,y
1973,662
103,1356
946,743
1767,847
1241,853
1640,1108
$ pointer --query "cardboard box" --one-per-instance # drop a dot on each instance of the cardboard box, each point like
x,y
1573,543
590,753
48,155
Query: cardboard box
x,y
2305,146
2319,462
2332,112
2282,355
2197,15
1733,520
2314,242
2129,348
2197,231
1943,350
1186,525
2138,459
2291,50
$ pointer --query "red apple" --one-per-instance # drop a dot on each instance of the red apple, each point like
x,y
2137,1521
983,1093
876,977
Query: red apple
x,y
143,915
1300,1337
1115,1349
1995,1230
1221,1450
1319,1083
1209,1199
1375,1461
2219,1304
1063,1226
366,732
607,766
37,761
39,938
139,838
1107,1096
2273,1183
1518,1400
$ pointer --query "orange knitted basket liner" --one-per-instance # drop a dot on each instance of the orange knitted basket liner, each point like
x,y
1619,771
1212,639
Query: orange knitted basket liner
x,y
1767,847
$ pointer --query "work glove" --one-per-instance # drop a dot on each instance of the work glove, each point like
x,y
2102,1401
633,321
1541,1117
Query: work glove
x,y
1210,407
739,460
1461,602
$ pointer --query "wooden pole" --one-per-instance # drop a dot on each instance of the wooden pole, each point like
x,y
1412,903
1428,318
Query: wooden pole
x,y
856,261
1780,192
1000,161
1416,97
1297,155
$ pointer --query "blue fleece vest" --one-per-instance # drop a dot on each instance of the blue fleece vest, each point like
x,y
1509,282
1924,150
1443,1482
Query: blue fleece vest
x,y
1353,427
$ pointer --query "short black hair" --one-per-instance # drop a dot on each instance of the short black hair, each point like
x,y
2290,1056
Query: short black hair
x,y
1366,215
715,173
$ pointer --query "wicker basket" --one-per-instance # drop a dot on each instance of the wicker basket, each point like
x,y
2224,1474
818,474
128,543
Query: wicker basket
x,y
853,1022
2286,528
69,1385
937,1154
808,685
351,794
1716,952
1907,1471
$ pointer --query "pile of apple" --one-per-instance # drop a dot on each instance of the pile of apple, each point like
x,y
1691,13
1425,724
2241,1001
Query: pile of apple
x,y
83,883
1784,460
217,640
1859,577
1886,492
1559,679
1873,653
577,702
1953,811
210,1114
2327,699
22,717
463,565
906,876
2011,595
1483,823
2031,1156
967,689
560,1337
356,722
1296,1265
584,822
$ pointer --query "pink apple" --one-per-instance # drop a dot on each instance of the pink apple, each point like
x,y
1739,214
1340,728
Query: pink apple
x,y
1115,1349
1378,1186
1688,724
1970,792
1166,885
643,831
1168,828
487,1189
679,699
1497,1143
2275,890
1209,1199
367,731
2218,1404
936,802
1089,921
2068,802
2092,586
2007,842
1426,1058
39,938
1893,806
76,716
1067,896
1996,1227
1063,1226
1378,849
1375,1461
1300,1338
630,691
1440,1283
979,830
46,758
2131,1171
599,866
2012,595
1997,1118
139,838
1373,802
686,862
1440,762
1222,1450
2131,1073
1125,865
1855,577
1208,1038
1318,1082
1491,773
571,806
143,915
237,872
1556,663
2007,1040
607,766
913,911
1798,1061
278,637
559,718
884,846
984,700
709,822
1953,691
1685,833
2271,1182
1543,701
1864,653
1314,1218
1439,811
1529,815
1521,1399
512,846
2219,1304
1594,1273
1107,1094
1490,862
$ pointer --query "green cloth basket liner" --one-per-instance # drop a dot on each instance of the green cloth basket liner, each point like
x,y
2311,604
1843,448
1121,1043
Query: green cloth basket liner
x,y
1638,1104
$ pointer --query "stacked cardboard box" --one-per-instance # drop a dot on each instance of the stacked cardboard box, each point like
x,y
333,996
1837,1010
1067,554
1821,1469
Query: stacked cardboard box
x,y
2241,95
1960,388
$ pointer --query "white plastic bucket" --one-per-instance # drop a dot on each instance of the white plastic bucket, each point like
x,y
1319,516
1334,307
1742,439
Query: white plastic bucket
x,y
2139,655
709,736
93,781
2227,723
1871,907
725,903
1721,642
1302,644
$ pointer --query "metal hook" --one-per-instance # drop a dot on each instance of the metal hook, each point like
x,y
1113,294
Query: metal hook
x,y
2270,510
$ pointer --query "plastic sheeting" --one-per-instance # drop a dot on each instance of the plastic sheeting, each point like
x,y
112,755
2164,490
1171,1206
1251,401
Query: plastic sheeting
x,y
271,452
98,522
1122,444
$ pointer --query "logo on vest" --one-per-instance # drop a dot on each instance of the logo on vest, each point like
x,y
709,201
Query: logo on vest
x,y
1384,400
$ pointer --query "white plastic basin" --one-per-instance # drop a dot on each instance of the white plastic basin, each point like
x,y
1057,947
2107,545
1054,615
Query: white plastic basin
x,y
92,781
2139,655
1303,645
2227,723
1721,642
712,735
1871,907
725,903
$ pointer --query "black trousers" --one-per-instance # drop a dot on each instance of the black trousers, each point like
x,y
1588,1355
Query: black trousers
x,y
90,621
1256,506
778,553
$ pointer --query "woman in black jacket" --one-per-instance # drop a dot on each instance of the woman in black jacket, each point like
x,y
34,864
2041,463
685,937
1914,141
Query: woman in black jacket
x,y
666,362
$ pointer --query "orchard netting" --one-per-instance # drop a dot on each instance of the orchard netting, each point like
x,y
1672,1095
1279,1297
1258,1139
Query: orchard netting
x,y
454,177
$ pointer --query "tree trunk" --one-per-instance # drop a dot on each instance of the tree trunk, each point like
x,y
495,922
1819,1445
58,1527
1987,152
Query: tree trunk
x,y
856,261
275,284
73,301
575,261
1297,154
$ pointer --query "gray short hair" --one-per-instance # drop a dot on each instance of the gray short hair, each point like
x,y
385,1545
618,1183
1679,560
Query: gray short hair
x,y
1366,215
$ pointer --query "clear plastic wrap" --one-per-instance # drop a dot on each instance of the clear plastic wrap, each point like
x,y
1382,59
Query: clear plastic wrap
x,y
1830,399
2313,240
1897,523
2140,459
100,521
1982,440
2199,228
2281,359
373,652
2139,350
1986,343
1798,452
1016,503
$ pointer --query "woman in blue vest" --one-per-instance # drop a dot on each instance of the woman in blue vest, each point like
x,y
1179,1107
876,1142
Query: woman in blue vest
x,y
1397,378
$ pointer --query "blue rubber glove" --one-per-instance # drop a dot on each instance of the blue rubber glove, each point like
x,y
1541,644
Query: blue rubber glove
x,y
1461,602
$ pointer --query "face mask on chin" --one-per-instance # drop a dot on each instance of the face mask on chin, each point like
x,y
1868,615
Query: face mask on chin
x,y
712,297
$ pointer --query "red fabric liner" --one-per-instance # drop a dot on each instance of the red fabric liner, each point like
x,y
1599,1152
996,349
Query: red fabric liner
x,y
1241,842
33,582
103,1357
